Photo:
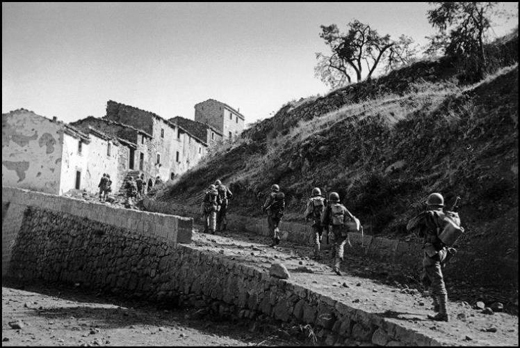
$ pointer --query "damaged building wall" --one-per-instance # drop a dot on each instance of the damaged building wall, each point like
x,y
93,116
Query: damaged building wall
x,y
32,147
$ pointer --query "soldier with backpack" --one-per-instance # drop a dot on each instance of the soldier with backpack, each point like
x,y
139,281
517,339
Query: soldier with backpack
x,y
439,231
225,195
274,206
131,192
337,216
209,208
315,208
140,184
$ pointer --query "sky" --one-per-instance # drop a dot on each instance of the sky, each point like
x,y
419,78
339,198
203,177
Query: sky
x,y
68,59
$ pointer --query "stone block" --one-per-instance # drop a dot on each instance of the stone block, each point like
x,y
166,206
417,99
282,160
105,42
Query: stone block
x,y
380,337
361,333
309,313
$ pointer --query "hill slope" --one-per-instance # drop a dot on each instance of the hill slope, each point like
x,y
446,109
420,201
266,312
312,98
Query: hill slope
x,y
384,145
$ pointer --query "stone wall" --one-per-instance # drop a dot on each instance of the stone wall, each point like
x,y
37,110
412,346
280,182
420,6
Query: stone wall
x,y
133,254
17,205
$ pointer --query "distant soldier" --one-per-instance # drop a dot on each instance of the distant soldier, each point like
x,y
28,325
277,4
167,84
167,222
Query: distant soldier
x,y
209,208
131,192
428,225
337,215
274,206
315,209
158,181
225,195
108,186
140,186
101,186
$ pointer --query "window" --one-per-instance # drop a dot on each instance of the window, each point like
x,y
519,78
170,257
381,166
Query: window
x,y
80,144
237,120
142,139
200,150
230,135
108,149
230,116
212,136
158,158
172,175
189,140
162,133
179,134
177,157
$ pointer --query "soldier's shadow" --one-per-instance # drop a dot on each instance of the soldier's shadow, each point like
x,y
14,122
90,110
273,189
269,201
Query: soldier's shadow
x,y
408,316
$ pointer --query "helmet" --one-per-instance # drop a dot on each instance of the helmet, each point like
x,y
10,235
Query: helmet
x,y
435,199
275,188
316,191
218,182
212,187
334,197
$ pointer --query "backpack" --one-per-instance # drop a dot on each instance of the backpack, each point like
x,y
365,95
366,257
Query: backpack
x,y
317,207
278,204
338,214
223,194
450,229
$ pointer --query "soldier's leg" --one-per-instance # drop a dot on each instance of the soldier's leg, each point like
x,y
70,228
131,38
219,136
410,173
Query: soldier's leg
x,y
206,222
223,219
276,231
434,271
339,244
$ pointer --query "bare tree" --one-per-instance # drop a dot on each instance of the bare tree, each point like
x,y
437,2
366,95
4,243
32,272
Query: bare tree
x,y
350,52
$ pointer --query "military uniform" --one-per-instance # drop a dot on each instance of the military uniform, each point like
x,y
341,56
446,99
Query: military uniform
x,y
428,224
332,212
274,206
210,206
315,209
225,195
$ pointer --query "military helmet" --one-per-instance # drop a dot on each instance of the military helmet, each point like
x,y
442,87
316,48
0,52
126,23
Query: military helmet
x,y
435,199
275,188
334,197
316,191
218,182
212,187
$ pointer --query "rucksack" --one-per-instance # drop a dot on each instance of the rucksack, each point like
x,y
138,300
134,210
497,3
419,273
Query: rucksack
x,y
278,204
338,214
450,229
317,206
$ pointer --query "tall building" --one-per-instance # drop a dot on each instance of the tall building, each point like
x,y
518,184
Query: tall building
x,y
221,116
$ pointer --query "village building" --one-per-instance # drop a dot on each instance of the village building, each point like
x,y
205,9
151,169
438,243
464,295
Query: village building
x,y
51,156
228,121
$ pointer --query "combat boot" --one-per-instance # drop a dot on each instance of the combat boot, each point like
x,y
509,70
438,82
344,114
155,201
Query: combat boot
x,y
443,312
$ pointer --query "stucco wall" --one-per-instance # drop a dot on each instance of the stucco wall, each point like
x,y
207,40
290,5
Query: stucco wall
x,y
31,151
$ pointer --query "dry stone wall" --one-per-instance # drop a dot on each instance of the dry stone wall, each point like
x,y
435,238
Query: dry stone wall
x,y
52,241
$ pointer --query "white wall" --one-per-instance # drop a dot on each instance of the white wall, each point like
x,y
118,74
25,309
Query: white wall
x,y
31,151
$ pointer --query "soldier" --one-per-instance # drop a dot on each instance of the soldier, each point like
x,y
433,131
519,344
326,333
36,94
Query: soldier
x,y
140,186
274,206
427,225
101,187
209,208
131,192
337,215
315,208
225,195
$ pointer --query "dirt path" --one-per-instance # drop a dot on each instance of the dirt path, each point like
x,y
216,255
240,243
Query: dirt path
x,y
43,315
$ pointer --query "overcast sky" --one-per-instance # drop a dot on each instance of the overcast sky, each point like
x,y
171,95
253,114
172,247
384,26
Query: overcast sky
x,y
69,59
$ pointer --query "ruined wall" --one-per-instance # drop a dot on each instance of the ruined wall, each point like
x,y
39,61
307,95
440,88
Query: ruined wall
x,y
32,148
210,112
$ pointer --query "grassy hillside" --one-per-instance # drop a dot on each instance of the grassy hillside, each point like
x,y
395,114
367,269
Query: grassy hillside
x,y
384,145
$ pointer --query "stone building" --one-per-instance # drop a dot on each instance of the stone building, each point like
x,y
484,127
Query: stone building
x,y
228,121
50,156
201,130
